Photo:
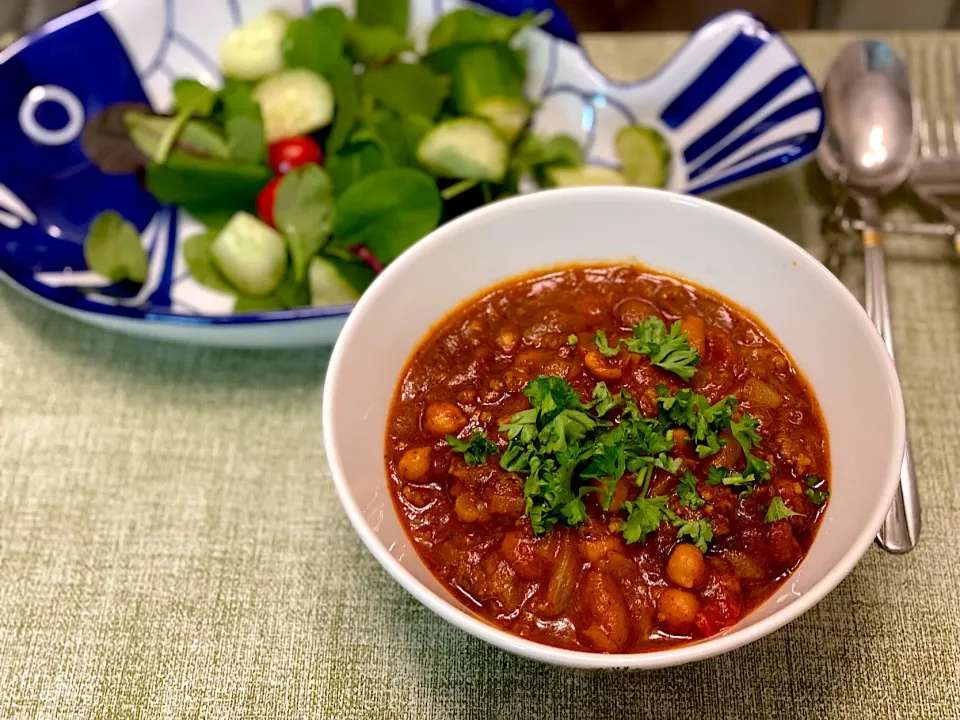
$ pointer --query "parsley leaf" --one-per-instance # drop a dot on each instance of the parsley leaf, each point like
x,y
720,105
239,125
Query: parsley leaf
x,y
668,350
700,532
778,510
813,491
572,339
475,450
745,433
711,447
687,492
715,475
694,412
644,516
600,340
603,400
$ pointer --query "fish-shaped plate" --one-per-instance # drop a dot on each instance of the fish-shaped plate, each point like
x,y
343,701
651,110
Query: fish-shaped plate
x,y
734,103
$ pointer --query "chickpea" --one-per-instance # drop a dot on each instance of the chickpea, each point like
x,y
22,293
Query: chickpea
x,y
677,610
598,366
443,418
467,508
634,311
686,567
414,464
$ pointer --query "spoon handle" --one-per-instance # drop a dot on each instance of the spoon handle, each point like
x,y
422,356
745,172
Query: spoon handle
x,y
901,527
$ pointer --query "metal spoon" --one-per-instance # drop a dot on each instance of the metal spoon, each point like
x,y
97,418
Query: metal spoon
x,y
870,146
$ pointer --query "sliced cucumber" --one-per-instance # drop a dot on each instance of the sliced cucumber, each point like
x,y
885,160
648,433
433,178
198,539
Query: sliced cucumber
x,y
328,286
465,149
251,255
508,115
197,137
294,102
562,177
644,156
255,50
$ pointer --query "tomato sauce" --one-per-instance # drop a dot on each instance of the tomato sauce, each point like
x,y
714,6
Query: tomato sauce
x,y
585,587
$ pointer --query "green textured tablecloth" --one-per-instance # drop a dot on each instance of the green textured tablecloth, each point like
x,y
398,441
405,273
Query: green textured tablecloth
x,y
171,544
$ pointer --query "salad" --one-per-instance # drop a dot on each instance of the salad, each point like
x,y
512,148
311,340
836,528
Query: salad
x,y
334,145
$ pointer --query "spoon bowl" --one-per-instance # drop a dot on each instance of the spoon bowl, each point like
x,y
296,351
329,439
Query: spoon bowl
x,y
870,142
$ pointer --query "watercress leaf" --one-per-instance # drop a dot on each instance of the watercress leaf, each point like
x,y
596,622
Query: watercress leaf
x,y
192,96
243,123
778,510
343,82
407,88
387,212
371,44
315,42
197,137
112,249
248,304
355,161
484,72
207,186
395,13
469,26
196,253
292,293
303,212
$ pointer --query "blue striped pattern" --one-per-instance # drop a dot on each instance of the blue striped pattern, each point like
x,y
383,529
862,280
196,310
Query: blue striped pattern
x,y
790,110
723,67
746,110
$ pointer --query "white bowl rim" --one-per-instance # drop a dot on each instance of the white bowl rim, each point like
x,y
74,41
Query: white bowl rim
x,y
709,647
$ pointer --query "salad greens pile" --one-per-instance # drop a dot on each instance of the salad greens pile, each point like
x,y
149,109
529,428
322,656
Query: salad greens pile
x,y
333,146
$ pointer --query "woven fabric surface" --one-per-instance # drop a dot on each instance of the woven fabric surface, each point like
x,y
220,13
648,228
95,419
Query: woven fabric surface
x,y
171,545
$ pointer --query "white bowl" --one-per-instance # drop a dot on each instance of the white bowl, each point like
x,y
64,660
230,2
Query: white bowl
x,y
812,314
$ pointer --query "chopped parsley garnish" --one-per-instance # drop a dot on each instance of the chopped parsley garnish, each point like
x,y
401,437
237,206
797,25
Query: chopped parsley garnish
x,y
687,492
666,349
600,340
699,532
694,412
567,448
572,339
745,432
778,510
475,450
813,491
644,516
715,475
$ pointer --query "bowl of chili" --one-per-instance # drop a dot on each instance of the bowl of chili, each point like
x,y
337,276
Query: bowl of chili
x,y
620,427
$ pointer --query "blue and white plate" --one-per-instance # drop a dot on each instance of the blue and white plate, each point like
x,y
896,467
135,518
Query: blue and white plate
x,y
734,103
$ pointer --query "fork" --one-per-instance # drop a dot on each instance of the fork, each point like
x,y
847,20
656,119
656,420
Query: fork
x,y
936,177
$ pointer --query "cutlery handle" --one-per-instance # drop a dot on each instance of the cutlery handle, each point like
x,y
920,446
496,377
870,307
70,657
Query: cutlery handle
x,y
901,527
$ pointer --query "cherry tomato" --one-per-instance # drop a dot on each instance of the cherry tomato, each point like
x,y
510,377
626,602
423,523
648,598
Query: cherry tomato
x,y
290,153
266,199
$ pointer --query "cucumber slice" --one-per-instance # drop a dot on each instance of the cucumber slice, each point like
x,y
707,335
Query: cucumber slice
x,y
465,149
562,177
644,156
255,50
508,115
294,102
251,255
328,286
